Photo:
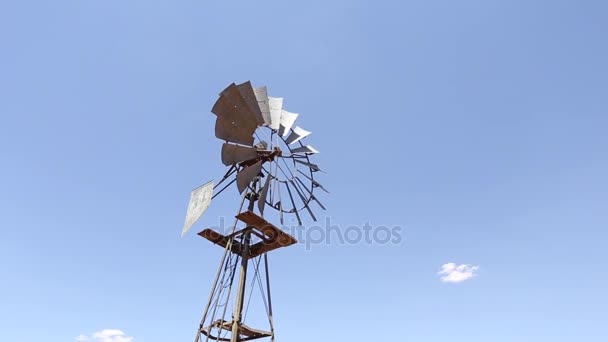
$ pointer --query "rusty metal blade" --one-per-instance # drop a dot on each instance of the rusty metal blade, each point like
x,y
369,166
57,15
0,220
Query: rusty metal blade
x,y
245,176
235,120
234,154
263,194
241,109
248,95
226,130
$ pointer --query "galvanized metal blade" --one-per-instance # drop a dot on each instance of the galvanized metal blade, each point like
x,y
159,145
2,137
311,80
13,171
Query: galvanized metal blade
x,y
296,134
234,154
305,149
287,120
275,105
261,95
245,176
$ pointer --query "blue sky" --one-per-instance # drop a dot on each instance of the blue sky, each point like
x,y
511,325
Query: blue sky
x,y
479,127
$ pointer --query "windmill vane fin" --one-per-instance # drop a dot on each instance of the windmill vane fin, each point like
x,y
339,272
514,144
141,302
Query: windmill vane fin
x,y
200,199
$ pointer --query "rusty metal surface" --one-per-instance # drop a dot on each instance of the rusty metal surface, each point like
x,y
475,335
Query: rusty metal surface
x,y
263,156
234,154
248,95
236,121
221,240
243,330
244,177
226,130
267,228
272,237
240,106
263,247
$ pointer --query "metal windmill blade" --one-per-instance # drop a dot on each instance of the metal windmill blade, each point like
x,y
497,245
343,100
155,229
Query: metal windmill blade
x,y
296,135
244,178
304,149
234,154
237,117
264,194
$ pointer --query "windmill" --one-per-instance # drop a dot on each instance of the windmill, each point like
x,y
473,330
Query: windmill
x,y
271,166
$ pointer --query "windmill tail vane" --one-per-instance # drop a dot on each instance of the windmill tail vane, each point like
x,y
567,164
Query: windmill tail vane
x,y
271,166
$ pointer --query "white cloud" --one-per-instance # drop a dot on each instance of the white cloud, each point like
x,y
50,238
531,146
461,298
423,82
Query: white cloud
x,y
105,335
453,273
